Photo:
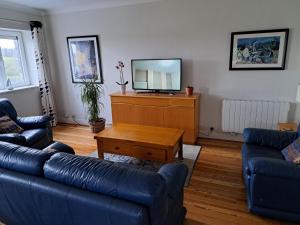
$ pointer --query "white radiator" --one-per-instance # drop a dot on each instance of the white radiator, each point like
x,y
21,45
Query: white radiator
x,y
240,114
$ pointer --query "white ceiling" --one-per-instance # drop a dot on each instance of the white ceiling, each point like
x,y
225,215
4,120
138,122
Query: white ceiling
x,y
60,6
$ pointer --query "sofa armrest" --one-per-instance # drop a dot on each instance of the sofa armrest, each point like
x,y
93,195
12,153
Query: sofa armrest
x,y
269,138
34,122
274,168
175,176
13,138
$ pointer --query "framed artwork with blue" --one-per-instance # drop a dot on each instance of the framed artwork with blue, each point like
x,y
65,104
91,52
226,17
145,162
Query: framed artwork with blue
x,y
85,61
258,50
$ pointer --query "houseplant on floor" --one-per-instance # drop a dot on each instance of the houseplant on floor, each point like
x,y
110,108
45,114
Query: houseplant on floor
x,y
91,91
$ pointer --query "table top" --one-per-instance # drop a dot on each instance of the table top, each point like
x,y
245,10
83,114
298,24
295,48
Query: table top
x,y
142,134
181,95
287,126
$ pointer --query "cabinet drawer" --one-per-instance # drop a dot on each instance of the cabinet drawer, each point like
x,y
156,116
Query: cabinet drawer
x,y
182,102
149,153
140,101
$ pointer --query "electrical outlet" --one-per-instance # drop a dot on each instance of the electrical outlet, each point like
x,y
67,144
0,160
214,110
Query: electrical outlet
x,y
73,116
212,129
66,115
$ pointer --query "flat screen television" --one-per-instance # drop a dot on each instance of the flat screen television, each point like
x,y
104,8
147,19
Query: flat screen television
x,y
156,74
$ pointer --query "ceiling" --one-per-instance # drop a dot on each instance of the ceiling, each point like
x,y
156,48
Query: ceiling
x,y
60,6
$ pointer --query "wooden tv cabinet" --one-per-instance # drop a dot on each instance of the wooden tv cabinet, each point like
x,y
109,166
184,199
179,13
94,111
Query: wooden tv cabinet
x,y
163,110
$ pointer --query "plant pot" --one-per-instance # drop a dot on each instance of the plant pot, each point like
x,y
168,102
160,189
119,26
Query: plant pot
x,y
98,125
189,90
123,89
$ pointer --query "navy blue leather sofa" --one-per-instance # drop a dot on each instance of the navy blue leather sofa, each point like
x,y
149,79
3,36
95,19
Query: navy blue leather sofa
x,y
37,129
44,187
272,183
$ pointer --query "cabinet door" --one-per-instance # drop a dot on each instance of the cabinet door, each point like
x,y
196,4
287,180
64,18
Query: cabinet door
x,y
183,118
138,114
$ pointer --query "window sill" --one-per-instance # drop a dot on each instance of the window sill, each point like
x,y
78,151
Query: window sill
x,y
18,89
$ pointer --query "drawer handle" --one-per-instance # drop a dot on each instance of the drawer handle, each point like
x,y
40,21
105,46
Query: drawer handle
x,y
149,153
117,148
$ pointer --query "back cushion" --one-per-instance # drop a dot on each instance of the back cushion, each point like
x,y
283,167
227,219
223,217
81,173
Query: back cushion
x,y
6,108
7,125
23,159
105,177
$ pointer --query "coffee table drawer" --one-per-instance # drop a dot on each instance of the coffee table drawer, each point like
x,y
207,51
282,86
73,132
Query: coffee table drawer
x,y
149,153
116,147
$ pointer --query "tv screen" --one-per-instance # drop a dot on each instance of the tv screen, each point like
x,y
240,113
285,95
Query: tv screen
x,y
156,74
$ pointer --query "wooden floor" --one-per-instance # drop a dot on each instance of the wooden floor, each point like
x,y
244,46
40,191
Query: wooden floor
x,y
216,193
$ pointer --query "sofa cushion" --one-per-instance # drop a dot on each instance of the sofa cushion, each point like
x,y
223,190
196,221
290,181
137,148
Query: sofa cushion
x,y
60,147
23,159
7,125
6,108
291,153
34,135
139,186
104,177
253,151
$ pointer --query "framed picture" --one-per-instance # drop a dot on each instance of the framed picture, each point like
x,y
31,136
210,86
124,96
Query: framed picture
x,y
84,54
258,50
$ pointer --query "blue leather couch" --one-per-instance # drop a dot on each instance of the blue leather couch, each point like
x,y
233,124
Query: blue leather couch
x,y
272,184
37,129
44,187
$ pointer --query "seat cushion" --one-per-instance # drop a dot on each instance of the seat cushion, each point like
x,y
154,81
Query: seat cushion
x,y
34,135
7,125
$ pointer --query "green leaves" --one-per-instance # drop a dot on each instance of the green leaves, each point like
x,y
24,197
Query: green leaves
x,y
90,95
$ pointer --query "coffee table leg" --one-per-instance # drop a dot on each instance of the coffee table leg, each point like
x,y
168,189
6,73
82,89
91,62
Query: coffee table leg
x,y
100,149
180,152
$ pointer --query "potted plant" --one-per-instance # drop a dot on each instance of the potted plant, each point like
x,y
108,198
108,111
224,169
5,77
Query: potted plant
x,y
91,91
189,90
122,82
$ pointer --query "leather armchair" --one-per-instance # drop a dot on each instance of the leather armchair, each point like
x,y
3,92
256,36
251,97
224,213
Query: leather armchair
x,y
37,129
271,182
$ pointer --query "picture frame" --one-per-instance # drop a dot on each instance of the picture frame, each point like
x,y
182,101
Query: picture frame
x,y
84,57
259,50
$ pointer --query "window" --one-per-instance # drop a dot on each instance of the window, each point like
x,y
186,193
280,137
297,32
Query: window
x,y
13,66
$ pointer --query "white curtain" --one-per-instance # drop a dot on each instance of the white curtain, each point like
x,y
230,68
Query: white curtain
x,y
48,106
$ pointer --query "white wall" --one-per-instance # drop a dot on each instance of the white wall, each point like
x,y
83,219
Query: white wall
x,y
26,101
196,30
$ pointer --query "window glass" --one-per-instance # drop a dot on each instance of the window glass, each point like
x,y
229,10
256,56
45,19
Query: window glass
x,y
13,71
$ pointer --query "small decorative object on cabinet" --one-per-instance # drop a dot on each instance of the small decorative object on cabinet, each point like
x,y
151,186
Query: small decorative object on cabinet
x,y
85,63
122,83
189,90
258,50
91,92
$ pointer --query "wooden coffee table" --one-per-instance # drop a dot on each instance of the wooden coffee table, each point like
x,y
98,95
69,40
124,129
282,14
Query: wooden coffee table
x,y
142,142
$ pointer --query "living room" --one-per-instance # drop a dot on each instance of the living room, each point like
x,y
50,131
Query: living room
x,y
194,107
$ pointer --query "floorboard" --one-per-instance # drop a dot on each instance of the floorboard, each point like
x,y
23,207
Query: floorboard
x,y
216,194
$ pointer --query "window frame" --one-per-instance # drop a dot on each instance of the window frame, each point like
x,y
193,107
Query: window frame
x,y
24,63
